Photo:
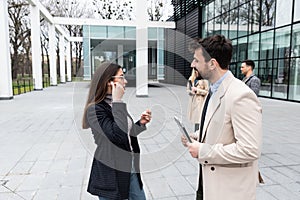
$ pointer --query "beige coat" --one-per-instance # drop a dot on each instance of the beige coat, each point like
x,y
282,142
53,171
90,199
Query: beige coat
x,y
232,136
196,101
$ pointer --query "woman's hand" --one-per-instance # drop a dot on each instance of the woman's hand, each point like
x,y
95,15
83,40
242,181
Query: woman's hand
x,y
145,117
194,90
117,91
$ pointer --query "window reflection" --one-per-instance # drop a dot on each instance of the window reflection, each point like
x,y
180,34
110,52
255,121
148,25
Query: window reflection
x,y
294,91
261,31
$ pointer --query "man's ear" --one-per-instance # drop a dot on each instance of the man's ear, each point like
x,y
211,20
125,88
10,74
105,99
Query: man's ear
x,y
213,64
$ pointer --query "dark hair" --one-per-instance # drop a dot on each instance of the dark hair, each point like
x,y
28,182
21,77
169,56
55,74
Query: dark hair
x,y
216,46
98,86
250,63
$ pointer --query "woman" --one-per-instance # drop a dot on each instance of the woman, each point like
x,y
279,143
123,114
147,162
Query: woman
x,y
197,89
115,168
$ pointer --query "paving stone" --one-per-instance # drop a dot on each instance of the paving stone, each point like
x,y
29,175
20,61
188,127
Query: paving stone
x,y
44,153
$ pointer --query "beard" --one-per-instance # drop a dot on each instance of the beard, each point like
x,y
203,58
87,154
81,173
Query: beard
x,y
199,76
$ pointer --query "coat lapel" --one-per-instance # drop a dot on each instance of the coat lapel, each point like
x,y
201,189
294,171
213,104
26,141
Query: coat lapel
x,y
215,102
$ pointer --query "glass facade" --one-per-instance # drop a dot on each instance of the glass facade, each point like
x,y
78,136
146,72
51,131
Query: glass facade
x,y
266,31
117,44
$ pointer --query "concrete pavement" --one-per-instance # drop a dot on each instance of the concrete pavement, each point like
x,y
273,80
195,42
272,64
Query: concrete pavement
x,y
44,154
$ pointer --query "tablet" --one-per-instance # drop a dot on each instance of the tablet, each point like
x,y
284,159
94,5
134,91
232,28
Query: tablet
x,y
182,129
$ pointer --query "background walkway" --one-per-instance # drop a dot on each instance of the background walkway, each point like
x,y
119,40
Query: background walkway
x,y
45,155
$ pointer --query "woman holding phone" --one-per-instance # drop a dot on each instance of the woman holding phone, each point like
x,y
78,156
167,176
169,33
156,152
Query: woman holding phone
x,y
115,168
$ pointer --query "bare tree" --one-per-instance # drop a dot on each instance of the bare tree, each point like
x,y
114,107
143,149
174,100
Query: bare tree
x,y
113,9
19,33
45,47
69,8
159,10
258,12
268,13
124,9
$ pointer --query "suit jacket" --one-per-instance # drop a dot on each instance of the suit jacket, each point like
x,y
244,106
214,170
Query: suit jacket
x,y
112,163
253,82
232,137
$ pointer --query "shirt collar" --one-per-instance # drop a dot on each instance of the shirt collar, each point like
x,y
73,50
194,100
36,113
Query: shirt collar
x,y
214,87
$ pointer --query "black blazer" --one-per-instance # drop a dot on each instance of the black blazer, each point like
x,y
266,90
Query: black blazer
x,y
112,163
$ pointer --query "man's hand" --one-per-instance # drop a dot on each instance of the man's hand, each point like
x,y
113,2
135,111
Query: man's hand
x,y
184,140
193,148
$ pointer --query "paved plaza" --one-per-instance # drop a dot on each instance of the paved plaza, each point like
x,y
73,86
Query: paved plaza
x,y
45,155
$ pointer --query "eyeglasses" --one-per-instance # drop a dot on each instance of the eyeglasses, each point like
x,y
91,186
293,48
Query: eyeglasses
x,y
120,77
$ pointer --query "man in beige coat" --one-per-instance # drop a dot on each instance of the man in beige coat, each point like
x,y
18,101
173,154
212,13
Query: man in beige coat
x,y
230,143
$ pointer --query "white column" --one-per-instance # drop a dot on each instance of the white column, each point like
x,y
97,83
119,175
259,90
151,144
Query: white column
x,y
62,68
5,69
120,55
36,48
141,49
68,57
52,55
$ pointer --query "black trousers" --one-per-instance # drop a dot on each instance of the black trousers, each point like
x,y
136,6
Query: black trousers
x,y
200,185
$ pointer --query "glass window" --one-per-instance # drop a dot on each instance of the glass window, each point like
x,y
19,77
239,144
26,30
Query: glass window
x,y
204,13
160,33
280,68
204,29
239,74
253,47
282,42
217,25
242,2
218,8
265,74
233,28
234,68
283,12
244,15
130,32
211,10
242,48
210,27
98,32
152,33
226,5
85,30
296,41
294,78
224,30
297,11
268,14
235,50
115,32
250,13
266,47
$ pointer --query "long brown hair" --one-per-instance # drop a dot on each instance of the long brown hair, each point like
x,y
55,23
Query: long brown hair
x,y
98,87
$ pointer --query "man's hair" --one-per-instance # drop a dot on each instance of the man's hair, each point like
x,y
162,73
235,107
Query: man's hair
x,y
216,46
250,63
